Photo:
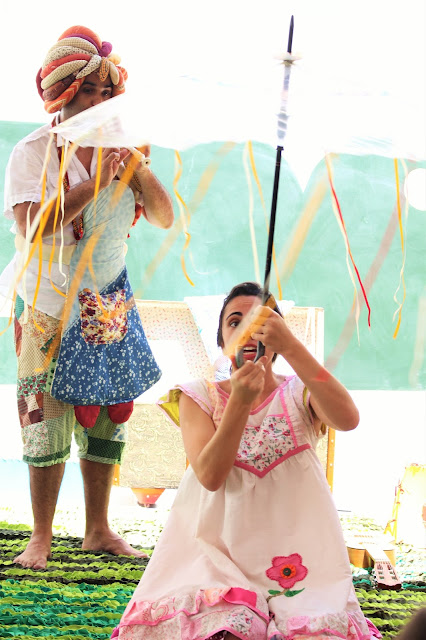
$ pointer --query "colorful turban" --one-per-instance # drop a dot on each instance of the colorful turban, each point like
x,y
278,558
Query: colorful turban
x,y
77,53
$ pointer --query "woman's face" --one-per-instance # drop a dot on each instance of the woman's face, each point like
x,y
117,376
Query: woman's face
x,y
235,312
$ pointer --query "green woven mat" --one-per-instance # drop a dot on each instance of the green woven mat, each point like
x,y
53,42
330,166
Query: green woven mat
x,y
82,595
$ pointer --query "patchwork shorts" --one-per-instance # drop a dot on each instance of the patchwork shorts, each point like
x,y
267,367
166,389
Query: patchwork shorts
x,y
47,424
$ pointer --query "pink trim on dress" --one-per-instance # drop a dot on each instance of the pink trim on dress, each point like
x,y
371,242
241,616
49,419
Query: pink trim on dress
x,y
375,633
302,625
276,462
201,402
278,389
140,613
237,595
295,626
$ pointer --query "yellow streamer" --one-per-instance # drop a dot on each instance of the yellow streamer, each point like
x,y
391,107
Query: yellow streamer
x,y
173,234
403,249
182,209
55,221
124,179
72,293
115,198
351,274
40,219
44,212
97,180
250,213
39,244
34,245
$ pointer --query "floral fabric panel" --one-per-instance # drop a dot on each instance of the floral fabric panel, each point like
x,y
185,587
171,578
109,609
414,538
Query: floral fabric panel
x,y
267,439
103,324
263,446
35,439
32,384
48,325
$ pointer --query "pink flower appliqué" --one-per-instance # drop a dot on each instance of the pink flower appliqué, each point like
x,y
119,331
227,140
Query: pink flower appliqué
x,y
287,570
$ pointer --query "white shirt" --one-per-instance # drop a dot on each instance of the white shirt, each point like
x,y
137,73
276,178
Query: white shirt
x,y
23,184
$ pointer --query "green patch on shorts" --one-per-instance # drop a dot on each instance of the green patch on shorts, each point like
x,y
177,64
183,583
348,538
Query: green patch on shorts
x,y
102,443
107,451
48,460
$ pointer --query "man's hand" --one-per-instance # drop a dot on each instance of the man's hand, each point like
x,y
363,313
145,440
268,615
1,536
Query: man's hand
x,y
111,160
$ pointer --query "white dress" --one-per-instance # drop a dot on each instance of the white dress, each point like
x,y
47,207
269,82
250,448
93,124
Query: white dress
x,y
264,556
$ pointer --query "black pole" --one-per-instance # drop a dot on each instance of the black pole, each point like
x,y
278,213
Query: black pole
x,y
275,194
290,35
265,296
272,225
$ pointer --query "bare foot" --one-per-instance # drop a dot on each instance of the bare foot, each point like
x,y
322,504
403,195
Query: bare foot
x,y
36,553
110,542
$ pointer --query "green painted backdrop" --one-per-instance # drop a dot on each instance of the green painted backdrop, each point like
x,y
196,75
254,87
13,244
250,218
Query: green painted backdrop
x,y
220,253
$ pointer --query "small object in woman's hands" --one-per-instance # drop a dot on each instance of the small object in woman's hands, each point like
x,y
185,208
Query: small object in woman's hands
x,y
250,325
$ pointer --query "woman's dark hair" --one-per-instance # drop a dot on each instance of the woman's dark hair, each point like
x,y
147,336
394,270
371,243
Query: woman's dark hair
x,y
243,289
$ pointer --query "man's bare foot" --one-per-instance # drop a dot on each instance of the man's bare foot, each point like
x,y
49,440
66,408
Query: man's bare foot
x,y
36,553
110,542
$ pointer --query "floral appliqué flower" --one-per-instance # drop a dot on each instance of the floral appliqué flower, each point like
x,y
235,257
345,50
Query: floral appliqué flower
x,y
286,570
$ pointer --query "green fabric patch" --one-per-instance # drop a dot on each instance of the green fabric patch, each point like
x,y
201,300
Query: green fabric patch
x,y
104,450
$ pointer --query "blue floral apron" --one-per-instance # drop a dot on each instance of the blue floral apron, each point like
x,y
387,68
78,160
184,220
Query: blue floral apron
x,y
104,357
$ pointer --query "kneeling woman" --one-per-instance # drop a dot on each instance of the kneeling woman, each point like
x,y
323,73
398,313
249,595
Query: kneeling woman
x,y
253,547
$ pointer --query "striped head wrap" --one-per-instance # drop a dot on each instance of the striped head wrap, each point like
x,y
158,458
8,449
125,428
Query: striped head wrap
x,y
77,53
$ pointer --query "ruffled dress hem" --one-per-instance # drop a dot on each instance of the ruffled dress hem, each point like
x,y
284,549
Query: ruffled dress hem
x,y
240,611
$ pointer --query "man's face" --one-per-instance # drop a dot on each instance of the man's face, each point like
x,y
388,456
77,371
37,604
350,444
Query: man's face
x,y
92,92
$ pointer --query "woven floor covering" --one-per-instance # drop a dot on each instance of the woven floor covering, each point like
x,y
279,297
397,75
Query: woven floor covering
x,y
82,595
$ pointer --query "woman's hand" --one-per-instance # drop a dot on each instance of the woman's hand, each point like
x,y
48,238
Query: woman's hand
x,y
273,331
248,381
329,399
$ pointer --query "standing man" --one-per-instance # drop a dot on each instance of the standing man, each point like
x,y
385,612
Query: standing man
x,y
78,72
